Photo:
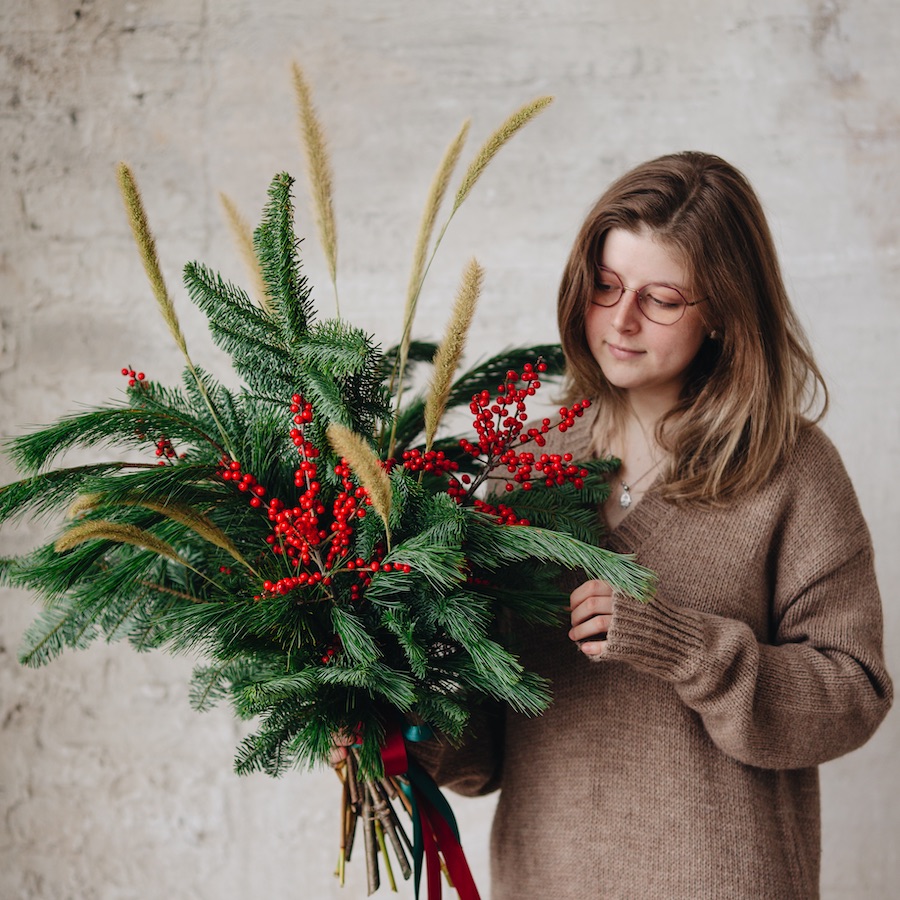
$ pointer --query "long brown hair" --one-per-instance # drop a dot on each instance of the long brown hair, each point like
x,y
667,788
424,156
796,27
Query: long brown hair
x,y
754,383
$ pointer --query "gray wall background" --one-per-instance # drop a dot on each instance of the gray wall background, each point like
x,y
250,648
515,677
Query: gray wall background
x,y
110,786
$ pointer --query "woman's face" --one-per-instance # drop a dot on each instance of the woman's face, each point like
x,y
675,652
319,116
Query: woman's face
x,y
638,356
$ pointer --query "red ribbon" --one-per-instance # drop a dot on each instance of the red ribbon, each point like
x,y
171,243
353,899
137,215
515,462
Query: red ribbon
x,y
443,841
393,753
437,835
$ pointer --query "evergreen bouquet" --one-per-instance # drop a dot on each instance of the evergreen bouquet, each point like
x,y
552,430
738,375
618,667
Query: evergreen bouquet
x,y
342,568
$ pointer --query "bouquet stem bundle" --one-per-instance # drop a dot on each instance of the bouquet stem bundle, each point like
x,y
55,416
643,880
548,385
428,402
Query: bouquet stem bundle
x,y
312,535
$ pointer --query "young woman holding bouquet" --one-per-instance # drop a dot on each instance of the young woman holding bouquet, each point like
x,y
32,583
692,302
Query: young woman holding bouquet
x,y
679,756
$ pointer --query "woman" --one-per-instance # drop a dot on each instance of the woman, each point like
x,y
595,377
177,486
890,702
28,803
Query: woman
x,y
678,759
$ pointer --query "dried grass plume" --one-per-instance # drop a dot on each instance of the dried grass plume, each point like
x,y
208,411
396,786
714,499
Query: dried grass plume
x,y
119,534
449,353
367,467
492,145
243,238
143,237
318,170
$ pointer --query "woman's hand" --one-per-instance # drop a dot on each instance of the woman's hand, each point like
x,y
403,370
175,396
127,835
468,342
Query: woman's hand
x,y
591,607
340,747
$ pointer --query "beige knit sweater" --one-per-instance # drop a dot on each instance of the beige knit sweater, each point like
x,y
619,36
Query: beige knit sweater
x,y
683,765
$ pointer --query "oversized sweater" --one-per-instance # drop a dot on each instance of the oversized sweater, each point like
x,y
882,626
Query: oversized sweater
x,y
682,765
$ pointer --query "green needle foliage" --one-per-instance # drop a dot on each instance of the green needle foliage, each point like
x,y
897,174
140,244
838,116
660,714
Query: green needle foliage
x,y
325,590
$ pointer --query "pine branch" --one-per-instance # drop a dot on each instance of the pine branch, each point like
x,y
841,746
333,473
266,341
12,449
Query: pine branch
x,y
276,247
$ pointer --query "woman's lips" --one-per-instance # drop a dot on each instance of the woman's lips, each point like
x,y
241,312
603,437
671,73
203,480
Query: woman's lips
x,y
622,353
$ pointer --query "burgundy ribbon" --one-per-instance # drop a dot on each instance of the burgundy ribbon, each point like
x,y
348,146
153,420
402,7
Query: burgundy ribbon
x,y
438,835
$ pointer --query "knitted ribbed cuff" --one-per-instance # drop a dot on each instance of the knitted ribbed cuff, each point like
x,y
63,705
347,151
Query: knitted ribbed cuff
x,y
656,637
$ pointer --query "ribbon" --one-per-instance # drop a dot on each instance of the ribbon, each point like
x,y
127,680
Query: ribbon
x,y
435,832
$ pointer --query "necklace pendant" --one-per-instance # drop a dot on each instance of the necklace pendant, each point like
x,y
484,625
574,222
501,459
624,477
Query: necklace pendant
x,y
625,497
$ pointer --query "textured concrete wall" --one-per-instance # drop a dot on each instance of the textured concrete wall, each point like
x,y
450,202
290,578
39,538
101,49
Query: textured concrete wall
x,y
110,786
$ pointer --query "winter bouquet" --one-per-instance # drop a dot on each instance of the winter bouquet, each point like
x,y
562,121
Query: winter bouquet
x,y
340,565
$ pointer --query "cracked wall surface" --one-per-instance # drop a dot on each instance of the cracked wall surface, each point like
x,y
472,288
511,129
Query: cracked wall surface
x,y
110,785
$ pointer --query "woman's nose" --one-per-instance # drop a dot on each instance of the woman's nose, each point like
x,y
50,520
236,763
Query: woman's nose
x,y
627,311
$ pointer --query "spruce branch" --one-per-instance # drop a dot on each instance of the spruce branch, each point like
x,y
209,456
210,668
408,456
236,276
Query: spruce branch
x,y
318,170
449,353
243,238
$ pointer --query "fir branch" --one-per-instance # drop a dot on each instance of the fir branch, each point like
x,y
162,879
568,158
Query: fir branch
x,y
276,248
374,679
259,696
447,358
51,491
492,544
318,169
243,238
52,632
122,425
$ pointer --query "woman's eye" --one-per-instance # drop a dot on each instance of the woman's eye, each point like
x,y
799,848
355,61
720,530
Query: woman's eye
x,y
663,301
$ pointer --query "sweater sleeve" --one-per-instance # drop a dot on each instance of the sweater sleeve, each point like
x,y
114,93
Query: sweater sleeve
x,y
816,687
474,766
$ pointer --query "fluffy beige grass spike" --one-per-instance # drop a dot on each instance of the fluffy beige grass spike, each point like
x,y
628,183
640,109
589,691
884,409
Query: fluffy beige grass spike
x,y
143,237
243,238
368,468
449,353
119,534
492,145
318,170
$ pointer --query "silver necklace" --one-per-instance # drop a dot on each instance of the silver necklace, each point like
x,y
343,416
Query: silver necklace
x,y
625,495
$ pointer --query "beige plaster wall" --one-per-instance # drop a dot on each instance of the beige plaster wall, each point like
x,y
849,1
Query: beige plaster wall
x,y
110,786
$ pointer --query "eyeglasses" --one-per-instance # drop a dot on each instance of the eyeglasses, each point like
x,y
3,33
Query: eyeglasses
x,y
660,303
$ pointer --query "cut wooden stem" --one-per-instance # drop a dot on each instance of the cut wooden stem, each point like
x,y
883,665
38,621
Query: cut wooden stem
x,y
368,817
389,823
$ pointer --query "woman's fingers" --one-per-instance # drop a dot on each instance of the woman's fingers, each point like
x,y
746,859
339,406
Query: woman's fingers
x,y
591,606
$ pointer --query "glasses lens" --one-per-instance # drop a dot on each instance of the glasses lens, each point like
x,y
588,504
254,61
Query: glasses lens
x,y
608,289
662,304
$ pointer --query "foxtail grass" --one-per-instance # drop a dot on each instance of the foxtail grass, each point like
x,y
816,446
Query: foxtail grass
x,y
449,353
502,135
117,533
243,238
367,467
318,170
146,245
492,145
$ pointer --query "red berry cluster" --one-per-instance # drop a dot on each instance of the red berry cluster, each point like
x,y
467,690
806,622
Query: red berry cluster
x,y
434,462
502,513
132,376
499,424
164,448
230,470
309,535
557,469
